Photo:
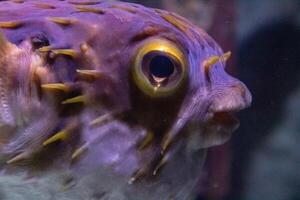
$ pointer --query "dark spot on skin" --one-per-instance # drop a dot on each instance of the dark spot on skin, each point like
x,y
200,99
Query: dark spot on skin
x,y
39,40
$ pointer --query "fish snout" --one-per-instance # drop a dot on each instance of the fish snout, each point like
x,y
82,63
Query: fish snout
x,y
221,122
231,98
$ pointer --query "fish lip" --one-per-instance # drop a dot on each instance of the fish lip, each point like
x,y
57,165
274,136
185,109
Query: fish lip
x,y
222,110
218,128
226,119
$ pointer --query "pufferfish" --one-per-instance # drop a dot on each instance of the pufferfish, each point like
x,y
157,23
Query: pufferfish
x,y
115,100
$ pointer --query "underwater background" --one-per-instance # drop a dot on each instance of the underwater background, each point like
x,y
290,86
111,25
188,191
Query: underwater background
x,y
262,159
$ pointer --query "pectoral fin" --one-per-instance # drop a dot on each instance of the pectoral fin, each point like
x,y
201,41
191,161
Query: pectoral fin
x,y
6,114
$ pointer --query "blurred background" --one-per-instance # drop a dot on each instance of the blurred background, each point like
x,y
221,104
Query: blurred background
x,y
262,160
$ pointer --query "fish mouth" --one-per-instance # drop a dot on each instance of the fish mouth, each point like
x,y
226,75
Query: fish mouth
x,y
226,119
219,128
221,121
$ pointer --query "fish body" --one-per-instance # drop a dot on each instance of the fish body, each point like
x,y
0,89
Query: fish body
x,y
124,98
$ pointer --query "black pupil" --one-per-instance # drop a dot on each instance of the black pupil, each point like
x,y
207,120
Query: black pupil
x,y
161,66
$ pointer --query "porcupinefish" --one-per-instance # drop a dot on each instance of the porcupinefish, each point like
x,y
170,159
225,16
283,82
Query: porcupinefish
x,y
126,95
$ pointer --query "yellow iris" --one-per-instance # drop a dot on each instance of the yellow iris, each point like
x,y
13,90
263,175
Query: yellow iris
x,y
144,71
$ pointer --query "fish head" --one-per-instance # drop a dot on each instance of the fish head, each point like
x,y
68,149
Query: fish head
x,y
170,77
135,84
170,84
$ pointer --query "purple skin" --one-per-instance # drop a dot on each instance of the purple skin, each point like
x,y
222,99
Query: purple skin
x,y
138,134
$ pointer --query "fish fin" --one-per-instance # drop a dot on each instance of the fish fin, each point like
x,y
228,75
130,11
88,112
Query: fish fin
x,y
30,138
6,114
4,45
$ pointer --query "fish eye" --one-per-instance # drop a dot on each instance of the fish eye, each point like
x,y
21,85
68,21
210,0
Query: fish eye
x,y
159,68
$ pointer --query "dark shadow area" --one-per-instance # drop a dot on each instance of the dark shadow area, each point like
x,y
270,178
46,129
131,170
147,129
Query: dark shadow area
x,y
269,64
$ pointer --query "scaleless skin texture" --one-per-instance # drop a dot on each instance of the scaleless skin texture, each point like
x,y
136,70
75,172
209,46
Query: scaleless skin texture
x,y
69,103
